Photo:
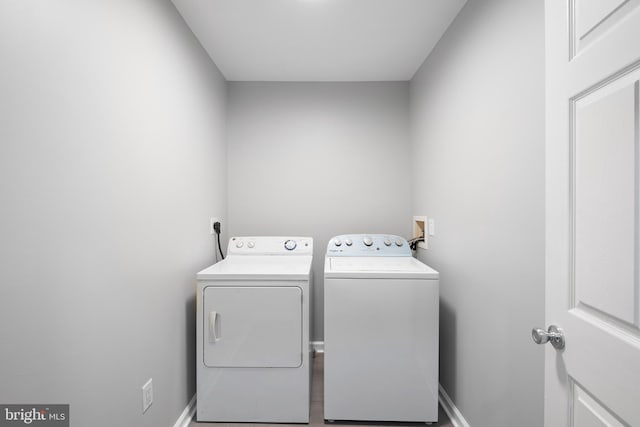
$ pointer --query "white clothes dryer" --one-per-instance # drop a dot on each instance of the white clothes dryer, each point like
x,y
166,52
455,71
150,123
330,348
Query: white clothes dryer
x,y
252,332
380,331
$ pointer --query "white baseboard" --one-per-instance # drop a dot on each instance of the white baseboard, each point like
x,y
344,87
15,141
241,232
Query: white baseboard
x,y
317,346
454,413
185,418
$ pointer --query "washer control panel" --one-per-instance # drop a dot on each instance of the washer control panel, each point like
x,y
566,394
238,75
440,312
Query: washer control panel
x,y
368,245
270,245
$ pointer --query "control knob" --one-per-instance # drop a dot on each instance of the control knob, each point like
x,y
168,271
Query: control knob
x,y
387,242
367,241
399,242
290,245
337,242
239,244
348,242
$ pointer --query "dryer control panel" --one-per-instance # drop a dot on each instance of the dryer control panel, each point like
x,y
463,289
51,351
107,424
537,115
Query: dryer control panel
x,y
270,245
364,245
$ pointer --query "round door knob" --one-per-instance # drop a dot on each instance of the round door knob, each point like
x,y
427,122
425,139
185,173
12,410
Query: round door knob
x,y
553,335
290,245
348,242
337,242
367,241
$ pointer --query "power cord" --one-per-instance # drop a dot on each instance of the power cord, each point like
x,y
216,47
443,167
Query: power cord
x,y
216,228
413,243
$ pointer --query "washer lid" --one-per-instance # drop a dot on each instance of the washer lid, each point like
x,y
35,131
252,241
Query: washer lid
x,y
377,267
248,267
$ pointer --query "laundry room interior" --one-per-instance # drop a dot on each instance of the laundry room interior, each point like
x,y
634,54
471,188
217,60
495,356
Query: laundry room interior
x,y
121,138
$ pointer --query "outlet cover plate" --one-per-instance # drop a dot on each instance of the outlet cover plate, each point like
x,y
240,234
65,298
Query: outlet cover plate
x,y
419,229
147,395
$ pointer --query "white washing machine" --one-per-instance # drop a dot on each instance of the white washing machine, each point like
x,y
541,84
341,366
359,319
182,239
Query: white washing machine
x,y
253,352
380,331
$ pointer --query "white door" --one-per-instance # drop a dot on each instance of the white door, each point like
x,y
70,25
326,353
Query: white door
x,y
252,327
592,212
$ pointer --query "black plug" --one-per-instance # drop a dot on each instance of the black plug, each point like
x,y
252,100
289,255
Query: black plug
x,y
216,228
413,243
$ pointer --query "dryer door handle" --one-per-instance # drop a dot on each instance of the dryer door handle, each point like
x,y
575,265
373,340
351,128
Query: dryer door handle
x,y
214,327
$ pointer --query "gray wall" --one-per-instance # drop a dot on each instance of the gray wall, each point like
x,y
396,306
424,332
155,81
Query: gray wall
x,y
318,159
477,108
113,157
112,160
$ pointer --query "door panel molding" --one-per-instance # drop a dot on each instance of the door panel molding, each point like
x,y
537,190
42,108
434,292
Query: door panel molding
x,y
588,411
600,372
608,117
591,19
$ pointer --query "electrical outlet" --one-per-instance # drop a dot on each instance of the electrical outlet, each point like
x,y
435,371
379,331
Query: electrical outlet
x,y
213,221
147,395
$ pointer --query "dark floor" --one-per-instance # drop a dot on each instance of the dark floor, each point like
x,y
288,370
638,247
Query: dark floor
x,y
317,397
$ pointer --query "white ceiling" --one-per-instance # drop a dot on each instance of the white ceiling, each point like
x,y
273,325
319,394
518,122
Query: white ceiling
x,y
318,40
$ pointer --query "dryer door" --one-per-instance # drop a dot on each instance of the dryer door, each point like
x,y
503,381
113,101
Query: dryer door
x,y
252,327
